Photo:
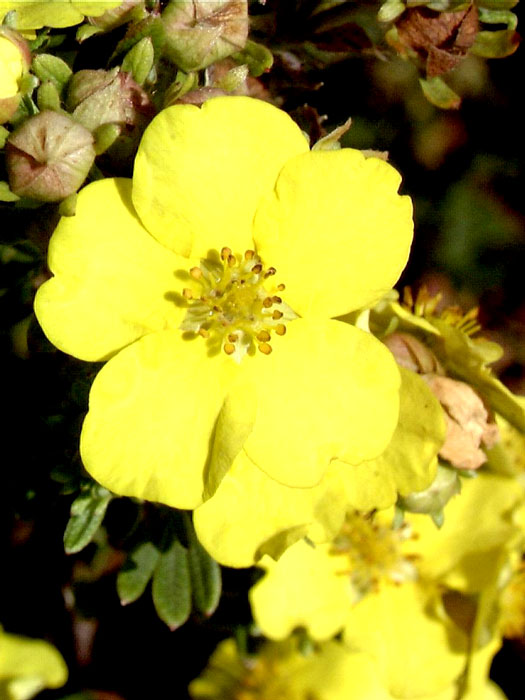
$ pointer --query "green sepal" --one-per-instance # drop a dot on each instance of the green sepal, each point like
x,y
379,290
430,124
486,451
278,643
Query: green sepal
x,y
151,27
234,78
257,57
138,568
28,83
68,206
205,572
172,585
51,68
87,513
438,519
4,133
496,44
86,31
183,83
331,142
499,15
47,97
5,193
439,93
139,60
105,136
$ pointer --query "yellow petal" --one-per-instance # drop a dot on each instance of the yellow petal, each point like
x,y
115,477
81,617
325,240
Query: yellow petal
x,y
336,231
251,514
34,14
113,282
308,588
465,551
329,390
200,172
27,666
418,652
409,462
151,417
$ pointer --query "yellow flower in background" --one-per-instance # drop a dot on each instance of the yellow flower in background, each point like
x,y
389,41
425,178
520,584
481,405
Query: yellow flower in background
x,y
210,282
27,666
34,14
320,587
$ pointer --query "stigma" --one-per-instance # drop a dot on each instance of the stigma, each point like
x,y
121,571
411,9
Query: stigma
x,y
234,304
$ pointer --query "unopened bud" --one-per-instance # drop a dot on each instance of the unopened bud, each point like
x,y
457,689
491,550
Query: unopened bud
x,y
98,97
15,59
116,16
410,353
436,496
49,157
200,32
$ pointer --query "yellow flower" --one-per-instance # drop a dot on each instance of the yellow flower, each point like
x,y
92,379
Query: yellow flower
x,y
34,14
11,67
232,240
27,666
318,587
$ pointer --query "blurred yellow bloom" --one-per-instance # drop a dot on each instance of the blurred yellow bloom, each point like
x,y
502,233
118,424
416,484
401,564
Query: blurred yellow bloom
x,y
11,67
210,282
34,14
27,666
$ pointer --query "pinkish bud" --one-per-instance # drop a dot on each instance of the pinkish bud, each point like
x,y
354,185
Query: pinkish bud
x,y
200,32
97,97
117,16
48,157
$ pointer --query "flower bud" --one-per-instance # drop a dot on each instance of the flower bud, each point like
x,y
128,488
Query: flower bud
x,y
116,16
15,59
200,32
410,353
98,97
48,157
436,496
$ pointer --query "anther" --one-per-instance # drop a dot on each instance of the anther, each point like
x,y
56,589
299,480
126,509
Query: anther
x,y
265,348
249,254
196,273
187,293
232,337
280,329
267,302
276,315
257,268
231,261
263,336
269,272
229,348
281,287
225,253
204,333
217,309
277,300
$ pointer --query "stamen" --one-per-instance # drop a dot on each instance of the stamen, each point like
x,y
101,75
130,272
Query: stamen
x,y
281,287
256,269
249,255
263,336
232,337
187,293
265,348
269,272
196,273
277,300
280,329
225,253
267,302
276,315
229,348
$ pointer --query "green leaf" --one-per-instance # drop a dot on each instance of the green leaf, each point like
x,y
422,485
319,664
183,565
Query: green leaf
x,y
86,31
256,56
390,10
139,60
51,68
47,97
105,136
439,93
87,513
4,133
172,586
498,15
133,578
205,574
495,44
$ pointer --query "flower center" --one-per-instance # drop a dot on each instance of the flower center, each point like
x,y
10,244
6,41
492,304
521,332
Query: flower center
x,y
236,306
374,553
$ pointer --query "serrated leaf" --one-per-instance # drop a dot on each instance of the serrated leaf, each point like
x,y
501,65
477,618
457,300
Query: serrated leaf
x,y
87,514
172,586
133,578
205,572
